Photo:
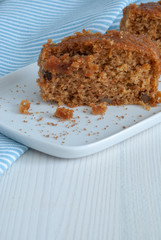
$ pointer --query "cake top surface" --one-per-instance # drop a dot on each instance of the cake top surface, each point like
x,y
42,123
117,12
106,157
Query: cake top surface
x,y
152,9
94,42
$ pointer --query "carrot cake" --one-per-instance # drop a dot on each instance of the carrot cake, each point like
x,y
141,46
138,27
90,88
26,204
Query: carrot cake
x,y
143,19
89,68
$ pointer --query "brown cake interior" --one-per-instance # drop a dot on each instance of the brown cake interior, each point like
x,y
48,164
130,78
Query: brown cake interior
x,y
143,19
118,68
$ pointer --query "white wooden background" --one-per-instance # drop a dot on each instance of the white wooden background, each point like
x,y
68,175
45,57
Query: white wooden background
x,y
115,194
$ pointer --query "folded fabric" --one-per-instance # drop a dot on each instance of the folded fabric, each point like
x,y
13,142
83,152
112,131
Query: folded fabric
x,y
26,25
9,152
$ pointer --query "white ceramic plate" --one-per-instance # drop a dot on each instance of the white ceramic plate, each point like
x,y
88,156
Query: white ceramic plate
x,y
84,135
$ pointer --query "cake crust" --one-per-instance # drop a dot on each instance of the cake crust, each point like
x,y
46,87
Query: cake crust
x,y
113,39
151,9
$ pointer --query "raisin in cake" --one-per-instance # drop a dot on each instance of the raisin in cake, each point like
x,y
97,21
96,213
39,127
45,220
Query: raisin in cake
x,y
90,68
143,19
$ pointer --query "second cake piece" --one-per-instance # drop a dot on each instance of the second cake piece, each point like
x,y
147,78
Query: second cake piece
x,y
143,19
84,69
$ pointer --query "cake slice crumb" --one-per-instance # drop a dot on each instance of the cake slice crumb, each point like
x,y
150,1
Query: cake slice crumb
x,y
24,107
64,113
99,109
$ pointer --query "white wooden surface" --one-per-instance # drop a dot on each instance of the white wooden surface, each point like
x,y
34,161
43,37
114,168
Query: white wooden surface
x,y
115,194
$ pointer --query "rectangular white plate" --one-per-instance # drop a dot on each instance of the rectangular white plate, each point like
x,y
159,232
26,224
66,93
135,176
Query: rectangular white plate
x,y
84,135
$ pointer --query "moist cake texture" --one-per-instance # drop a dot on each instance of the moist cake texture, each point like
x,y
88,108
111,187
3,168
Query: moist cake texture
x,y
143,19
90,68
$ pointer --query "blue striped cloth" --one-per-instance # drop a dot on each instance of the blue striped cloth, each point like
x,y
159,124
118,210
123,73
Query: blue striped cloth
x,y
9,152
26,25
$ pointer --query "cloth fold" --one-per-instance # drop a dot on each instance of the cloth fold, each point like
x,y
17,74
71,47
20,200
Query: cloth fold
x,y
26,25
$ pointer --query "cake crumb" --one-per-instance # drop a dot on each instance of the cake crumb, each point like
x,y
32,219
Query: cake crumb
x,y
24,107
99,109
47,136
64,113
38,120
52,124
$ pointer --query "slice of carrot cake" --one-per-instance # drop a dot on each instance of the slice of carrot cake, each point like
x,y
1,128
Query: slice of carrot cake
x,y
90,68
143,19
